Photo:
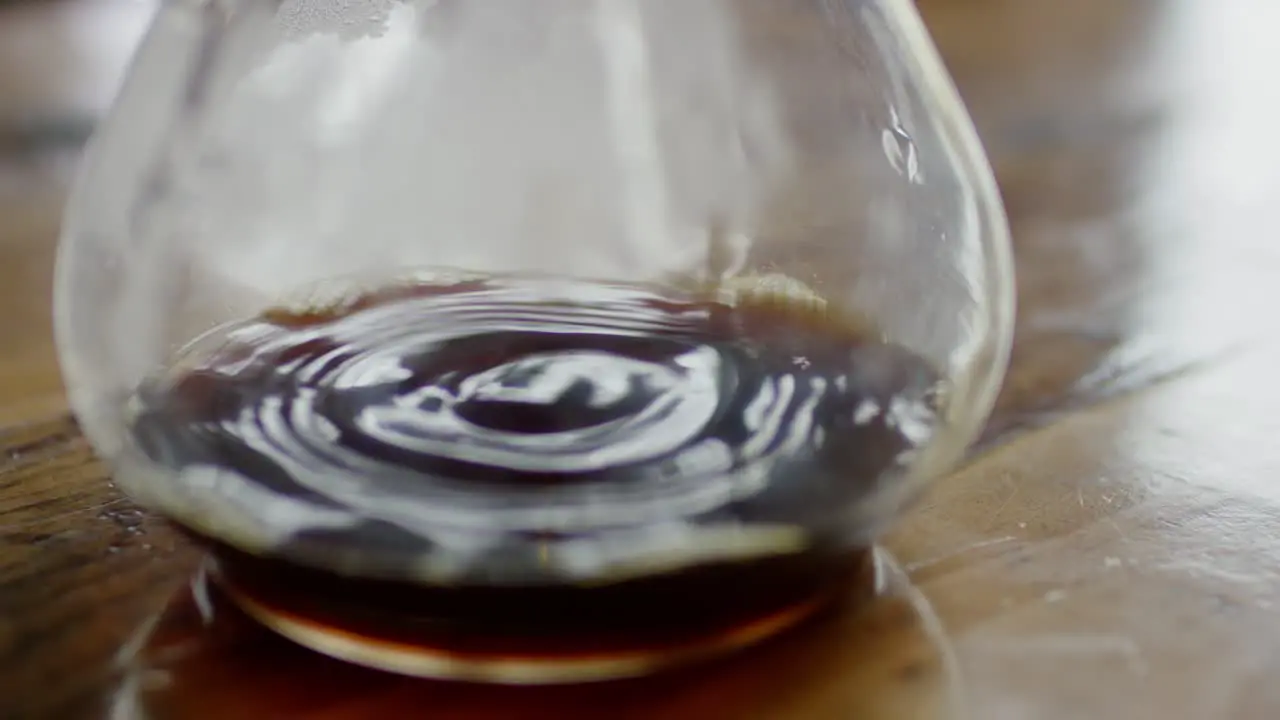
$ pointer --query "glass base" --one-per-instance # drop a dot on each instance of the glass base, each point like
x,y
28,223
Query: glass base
x,y
397,642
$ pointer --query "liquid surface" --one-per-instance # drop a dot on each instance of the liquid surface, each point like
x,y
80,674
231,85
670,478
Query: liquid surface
x,y
524,431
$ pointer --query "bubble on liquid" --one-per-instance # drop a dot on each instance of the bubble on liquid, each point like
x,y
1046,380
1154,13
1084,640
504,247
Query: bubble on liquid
x,y
770,287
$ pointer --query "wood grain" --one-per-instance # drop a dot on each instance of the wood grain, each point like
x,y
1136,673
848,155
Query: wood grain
x,y
1111,552
79,567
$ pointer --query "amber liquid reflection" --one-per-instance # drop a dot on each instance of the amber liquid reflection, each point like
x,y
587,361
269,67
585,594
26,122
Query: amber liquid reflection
x,y
873,655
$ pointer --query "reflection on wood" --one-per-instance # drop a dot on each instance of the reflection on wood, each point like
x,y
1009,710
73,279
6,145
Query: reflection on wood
x,y
215,663
1118,559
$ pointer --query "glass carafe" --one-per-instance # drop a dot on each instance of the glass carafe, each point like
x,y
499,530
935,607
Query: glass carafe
x,y
534,341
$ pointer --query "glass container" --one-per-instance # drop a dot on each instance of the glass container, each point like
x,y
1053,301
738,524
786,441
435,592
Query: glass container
x,y
534,341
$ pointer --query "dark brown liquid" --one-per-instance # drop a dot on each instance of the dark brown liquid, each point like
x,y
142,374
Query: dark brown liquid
x,y
515,469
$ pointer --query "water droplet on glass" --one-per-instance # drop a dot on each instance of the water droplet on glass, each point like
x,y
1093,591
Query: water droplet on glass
x,y
901,151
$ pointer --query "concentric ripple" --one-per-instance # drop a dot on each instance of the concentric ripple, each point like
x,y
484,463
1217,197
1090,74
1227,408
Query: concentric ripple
x,y
502,426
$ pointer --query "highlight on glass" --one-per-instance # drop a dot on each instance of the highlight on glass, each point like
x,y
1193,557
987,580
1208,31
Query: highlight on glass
x,y
534,342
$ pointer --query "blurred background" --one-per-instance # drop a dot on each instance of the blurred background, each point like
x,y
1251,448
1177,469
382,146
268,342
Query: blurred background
x,y
1117,127
1135,142
60,64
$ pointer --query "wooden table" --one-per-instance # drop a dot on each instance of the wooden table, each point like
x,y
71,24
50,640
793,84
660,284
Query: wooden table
x,y
1112,551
